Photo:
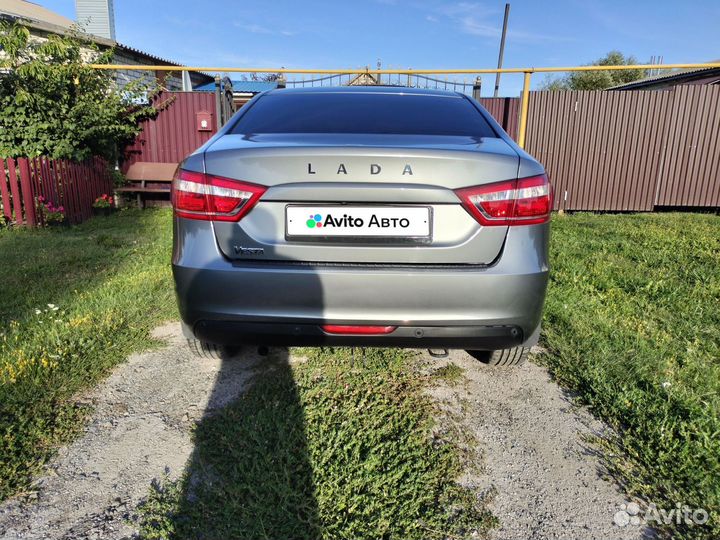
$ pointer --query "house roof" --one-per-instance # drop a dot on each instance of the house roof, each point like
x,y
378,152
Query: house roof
x,y
33,12
48,21
670,75
242,87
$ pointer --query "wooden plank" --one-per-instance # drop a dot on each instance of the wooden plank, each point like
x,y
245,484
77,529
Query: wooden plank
x,y
158,172
15,191
7,210
69,186
28,193
83,185
144,190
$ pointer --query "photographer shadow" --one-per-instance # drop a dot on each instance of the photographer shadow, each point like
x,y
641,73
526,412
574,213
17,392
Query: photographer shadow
x,y
250,474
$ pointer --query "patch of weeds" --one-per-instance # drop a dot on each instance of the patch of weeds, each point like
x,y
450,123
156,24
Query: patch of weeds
x,y
109,240
322,449
449,373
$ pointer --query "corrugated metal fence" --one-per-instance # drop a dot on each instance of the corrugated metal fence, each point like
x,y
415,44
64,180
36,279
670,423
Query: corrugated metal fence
x,y
629,151
605,151
506,111
73,186
175,132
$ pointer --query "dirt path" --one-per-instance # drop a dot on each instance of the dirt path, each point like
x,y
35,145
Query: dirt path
x,y
546,479
547,484
140,428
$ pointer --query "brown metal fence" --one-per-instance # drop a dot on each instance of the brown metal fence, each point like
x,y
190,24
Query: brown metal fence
x,y
177,130
604,151
506,111
628,151
690,170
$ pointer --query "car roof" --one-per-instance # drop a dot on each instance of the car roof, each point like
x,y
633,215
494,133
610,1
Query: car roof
x,y
375,89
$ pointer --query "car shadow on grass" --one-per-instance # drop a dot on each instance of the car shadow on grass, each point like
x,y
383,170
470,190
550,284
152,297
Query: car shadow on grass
x,y
250,474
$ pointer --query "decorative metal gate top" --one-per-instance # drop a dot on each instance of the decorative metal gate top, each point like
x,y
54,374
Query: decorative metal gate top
x,y
471,88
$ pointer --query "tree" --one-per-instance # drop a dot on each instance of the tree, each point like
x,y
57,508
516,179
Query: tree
x,y
52,104
264,77
597,80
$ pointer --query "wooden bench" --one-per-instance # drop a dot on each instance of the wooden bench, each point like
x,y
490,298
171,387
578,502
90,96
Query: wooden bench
x,y
146,177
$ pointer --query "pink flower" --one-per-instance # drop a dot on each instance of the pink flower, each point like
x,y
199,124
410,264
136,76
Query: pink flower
x,y
61,209
41,199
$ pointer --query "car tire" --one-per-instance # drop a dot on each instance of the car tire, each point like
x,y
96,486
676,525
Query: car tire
x,y
210,351
501,357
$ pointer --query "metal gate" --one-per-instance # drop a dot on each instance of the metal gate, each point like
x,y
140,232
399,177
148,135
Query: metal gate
x,y
224,103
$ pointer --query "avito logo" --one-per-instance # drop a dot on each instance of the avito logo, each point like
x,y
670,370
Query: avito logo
x,y
316,220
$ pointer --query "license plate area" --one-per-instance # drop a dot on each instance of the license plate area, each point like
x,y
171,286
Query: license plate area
x,y
364,223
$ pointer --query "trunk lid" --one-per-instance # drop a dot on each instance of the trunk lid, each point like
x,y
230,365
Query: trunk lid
x,y
355,174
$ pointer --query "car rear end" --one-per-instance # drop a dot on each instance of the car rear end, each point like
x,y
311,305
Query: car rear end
x,y
366,217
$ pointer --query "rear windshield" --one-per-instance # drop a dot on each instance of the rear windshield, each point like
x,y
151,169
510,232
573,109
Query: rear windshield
x,y
371,113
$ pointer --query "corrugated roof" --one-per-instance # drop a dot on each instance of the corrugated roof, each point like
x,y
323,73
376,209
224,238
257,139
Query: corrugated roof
x,y
157,59
666,74
49,21
242,87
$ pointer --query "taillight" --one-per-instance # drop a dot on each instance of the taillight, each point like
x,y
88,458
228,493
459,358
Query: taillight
x,y
202,196
525,201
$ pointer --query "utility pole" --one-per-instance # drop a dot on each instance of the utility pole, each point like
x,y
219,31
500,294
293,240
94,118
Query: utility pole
x,y
502,49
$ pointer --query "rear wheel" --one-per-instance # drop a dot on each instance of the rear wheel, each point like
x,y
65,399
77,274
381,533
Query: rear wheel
x,y
501,357
203,349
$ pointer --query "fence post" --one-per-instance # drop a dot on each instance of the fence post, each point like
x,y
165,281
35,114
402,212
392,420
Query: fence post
x,y
218,103
4,193
27,192
477,87
524,109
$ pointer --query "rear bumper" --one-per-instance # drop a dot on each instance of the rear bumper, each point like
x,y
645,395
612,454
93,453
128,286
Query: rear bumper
x,y
449,337
469,307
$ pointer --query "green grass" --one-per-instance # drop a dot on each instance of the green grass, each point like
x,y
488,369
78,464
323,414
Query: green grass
x,y
328,450
632,324
451,373
317,450
107,283
325,449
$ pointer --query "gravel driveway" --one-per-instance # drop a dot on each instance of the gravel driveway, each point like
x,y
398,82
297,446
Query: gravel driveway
x,y
548,484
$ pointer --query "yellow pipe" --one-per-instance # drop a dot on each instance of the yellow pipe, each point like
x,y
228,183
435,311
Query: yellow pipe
x,y
403,71
522,128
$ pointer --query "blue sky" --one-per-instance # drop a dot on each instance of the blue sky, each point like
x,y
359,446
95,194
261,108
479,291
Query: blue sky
x,y
414,33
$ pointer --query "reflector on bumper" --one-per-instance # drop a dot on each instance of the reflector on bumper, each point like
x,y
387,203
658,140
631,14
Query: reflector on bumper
x,y
357,330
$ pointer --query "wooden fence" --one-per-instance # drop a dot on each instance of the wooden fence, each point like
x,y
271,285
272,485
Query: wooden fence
x,y
74,186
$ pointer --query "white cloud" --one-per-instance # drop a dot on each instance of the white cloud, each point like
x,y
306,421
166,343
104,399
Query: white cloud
x,y
479,20
254,28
